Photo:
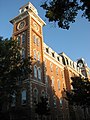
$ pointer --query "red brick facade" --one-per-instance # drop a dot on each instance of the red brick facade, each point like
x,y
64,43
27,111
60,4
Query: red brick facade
x,y
51,72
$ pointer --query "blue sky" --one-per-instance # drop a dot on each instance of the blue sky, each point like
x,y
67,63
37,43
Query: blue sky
x,y
75,42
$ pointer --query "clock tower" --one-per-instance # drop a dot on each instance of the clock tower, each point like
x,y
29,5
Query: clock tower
x,y
27,30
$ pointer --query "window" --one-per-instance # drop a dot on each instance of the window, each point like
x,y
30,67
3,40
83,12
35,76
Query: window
x,y
22,10
18,40
58,84
61,102
34,38
57,70
67,61
35,96
58,59
52,81
23,97
53,55
63,60
39,74
38,56
23,53
35,54
23,38
62,74
47,50
38,42
35,71
46,80
51,67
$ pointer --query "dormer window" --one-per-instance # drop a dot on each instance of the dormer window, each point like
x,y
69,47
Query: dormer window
x,y
47,50
22,10
53,55
58,59
26,7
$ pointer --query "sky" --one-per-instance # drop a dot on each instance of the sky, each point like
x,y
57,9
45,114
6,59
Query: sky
x,y
74,42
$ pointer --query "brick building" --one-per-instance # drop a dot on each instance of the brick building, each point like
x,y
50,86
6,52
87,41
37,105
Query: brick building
x,y
51,72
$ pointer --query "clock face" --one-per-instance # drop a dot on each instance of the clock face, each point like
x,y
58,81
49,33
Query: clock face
x,y
21,25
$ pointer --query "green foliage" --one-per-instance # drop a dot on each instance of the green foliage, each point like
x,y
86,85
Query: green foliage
x,y
80,94
42,108
12,69
64,12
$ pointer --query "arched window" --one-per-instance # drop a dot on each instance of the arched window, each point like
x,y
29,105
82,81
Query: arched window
x,y
58,84
35,71
51,67
34,38
39,73
23,38
37,41
52,81
24,97
35,54
56,70
38,56
35,96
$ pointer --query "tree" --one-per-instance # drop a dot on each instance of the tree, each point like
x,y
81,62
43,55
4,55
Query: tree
x,y
64,12
42,107
12,69
80,94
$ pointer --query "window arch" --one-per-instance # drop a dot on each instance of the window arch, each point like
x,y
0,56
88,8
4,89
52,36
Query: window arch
x,y
24,96
35,71
39,73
